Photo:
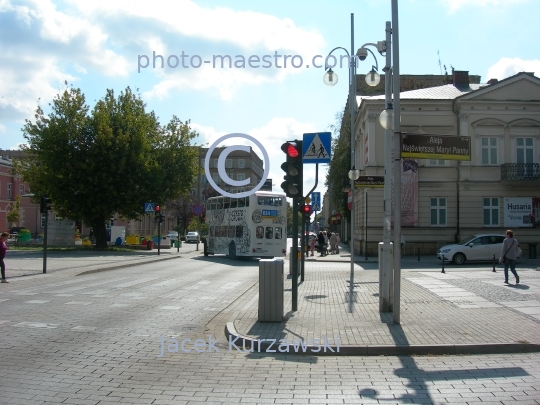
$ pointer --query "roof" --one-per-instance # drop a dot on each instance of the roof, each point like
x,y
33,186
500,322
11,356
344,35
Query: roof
x,y
446,92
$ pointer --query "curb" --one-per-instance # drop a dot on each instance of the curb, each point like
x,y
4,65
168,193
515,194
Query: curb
x,y
121,266
260,346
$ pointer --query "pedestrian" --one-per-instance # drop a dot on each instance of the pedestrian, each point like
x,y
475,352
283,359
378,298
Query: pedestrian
x,y
3,249
326,242
332,243
338,239
312,246
509,254
320,239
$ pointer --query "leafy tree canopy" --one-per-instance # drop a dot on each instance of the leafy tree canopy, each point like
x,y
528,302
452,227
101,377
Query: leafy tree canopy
x,y
113,159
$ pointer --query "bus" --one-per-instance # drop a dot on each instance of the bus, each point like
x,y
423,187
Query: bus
x,y
252,226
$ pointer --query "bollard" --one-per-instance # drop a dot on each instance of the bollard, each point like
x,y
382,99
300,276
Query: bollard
x,y
418,254
494,264
442,264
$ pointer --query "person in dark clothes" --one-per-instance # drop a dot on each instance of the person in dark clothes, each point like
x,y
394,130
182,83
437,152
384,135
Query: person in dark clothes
x,y
320,239
3,249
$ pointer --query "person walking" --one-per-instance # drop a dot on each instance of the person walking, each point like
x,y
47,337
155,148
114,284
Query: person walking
x,y
320,239
509,253
312,246
333,244
3,249
338,239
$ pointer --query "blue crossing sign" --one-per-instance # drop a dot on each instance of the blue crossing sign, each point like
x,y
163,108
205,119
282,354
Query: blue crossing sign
x,y
316,147
316,201
149,208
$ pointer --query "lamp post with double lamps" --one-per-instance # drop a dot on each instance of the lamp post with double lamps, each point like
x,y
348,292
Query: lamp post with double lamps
x,y
372,79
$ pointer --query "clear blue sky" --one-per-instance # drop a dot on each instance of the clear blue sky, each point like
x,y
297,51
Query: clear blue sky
x,y
96,45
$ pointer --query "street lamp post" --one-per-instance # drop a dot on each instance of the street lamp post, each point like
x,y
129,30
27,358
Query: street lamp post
x,y
372,79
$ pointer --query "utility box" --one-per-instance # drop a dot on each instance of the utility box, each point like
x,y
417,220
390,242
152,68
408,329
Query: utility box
x,y
118,231
271,290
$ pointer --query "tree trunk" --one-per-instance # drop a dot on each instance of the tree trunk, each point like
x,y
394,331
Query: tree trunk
x,y
100,233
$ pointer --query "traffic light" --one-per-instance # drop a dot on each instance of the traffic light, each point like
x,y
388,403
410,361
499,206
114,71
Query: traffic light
x,y
159,215
45,205
178,220
306,212
293,169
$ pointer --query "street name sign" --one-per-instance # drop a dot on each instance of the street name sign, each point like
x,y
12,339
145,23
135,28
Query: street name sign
x,y
436,147
369,181
317,147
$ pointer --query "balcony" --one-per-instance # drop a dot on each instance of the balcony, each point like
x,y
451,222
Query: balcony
x,y
520,172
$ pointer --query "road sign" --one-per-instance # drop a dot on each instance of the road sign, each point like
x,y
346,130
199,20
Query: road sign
x,y
149,208
197,209
436,147
316,147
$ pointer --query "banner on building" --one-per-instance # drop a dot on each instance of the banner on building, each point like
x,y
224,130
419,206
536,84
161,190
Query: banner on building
x,y
521,212
409,193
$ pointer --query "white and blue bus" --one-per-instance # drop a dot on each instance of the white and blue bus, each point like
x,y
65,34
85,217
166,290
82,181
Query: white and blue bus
x,y
253,226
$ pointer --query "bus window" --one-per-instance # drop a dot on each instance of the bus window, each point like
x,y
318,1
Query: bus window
x,y
231,231
219,203
269,231
260,232
247,201
239,231
278,232
234,202
241,202
270,201
226,203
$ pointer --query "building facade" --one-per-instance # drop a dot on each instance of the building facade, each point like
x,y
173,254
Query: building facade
x,y
444,201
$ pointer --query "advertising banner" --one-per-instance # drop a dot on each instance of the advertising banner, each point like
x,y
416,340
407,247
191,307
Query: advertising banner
x,y
521,212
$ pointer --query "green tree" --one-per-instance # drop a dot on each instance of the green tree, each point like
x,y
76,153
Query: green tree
x,y
13,214
110,160
197,225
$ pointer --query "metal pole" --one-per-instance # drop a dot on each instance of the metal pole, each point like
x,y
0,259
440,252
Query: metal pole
x,y
45,242
159,235
303,248
385,304
397,164
352,109
294,256
365,246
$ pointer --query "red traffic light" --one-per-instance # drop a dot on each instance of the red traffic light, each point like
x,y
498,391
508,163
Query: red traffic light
x,y
157,208
292,149
306,209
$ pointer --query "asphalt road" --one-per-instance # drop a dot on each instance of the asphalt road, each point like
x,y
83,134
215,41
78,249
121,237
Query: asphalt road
x,y
97,339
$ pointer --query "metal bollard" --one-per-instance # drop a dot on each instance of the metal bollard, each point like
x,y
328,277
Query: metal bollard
x,y
418,254
442,264
494,264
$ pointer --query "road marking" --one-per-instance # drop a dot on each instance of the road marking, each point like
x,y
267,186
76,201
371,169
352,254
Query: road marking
x,y
170,307
120,305
78,303
229,286
84,328
37,325
36,302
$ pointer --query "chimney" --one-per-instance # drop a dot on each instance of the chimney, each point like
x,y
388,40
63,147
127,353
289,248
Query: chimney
x,y
493,81
460,78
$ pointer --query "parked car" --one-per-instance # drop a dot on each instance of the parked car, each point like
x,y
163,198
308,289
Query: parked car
x,y
172,235
474,248
16,229
193,237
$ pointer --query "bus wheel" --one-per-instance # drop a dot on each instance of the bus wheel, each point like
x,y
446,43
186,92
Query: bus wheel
x,y
232,250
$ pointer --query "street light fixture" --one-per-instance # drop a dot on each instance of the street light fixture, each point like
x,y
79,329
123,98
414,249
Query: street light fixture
x,y
330,79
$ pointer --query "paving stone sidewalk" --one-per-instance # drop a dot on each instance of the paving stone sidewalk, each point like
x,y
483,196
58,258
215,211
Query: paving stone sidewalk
x,y
458,312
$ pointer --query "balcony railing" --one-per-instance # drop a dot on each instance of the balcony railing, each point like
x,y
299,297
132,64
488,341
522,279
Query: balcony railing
x,y
520,172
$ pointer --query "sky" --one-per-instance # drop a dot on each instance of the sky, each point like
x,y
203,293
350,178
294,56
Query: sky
x,y
110,44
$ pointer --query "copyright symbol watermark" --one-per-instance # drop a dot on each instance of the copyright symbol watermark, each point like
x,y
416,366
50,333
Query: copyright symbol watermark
x,y
221,165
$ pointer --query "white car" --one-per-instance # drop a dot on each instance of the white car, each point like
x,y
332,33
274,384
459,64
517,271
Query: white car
x,y
193,237
172,235
474,248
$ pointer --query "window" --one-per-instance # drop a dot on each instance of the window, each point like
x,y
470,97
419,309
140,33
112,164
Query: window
x,y
240,176
231,231
437,162
491,211
259,232
438,211
21,189
489,151
241,163
203,179
279,232
228,163
239,231
269,232
524,149
215,163
9,191
216,178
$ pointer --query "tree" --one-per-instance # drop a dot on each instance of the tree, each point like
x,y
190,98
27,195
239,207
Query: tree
x,y
110,160
182,207
13,214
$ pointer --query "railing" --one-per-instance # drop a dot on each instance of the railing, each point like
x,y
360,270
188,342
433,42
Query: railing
x,y
520,171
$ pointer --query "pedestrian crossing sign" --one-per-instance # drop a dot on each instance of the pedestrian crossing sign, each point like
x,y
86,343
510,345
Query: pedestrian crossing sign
x,y
316,147
315,207
149,208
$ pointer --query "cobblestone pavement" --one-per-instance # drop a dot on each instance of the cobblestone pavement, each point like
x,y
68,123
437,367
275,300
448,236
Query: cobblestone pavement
x,y
96,339
460,308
